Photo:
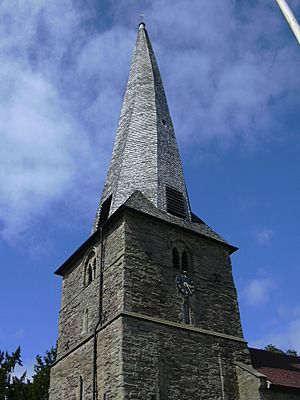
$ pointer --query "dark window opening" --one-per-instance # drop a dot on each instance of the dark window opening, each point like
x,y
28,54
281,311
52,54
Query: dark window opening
x,y
175,202
90,274
105,210
184,261
94,267
186,312
80,388
175,258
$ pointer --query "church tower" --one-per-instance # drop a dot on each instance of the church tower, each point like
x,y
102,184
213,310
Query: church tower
x,y
149,308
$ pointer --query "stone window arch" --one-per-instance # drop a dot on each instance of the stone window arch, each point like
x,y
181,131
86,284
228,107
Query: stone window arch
x,y
181,255
90,266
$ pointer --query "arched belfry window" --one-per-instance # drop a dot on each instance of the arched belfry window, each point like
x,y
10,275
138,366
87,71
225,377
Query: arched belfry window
x,y
94,267
176,260
90,267
89,274
181,255
184,261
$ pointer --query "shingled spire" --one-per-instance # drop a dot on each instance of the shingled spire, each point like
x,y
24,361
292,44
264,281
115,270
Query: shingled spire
x,y
145,155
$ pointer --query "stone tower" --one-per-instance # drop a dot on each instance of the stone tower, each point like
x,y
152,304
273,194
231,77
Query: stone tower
x,y
149,308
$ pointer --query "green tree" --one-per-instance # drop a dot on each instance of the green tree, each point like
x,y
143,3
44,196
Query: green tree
x,y
14,388
274,349
11,387
19,388
291,352
41,378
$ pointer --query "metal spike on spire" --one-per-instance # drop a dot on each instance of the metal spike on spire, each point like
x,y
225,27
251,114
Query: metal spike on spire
x,y
142,23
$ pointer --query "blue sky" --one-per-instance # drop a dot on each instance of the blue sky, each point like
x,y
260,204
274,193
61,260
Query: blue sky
x,y
231,74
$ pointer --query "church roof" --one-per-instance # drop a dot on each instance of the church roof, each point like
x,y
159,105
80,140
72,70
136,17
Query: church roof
x,y
145,155
137,201
281,370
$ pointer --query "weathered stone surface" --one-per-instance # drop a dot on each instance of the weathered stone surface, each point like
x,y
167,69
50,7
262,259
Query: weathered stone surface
x,y
67,373
151,353
137,201
145,155
77,298
253,385
250,382
149,269
176,364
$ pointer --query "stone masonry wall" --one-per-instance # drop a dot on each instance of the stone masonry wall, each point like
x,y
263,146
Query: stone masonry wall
x,y
149,276
140,359
110,363
67,373
249,385
77,299
253,386
165,363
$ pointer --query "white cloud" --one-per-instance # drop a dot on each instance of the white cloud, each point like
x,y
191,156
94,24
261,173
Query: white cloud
x,y
222,60
43,143
62,80
258,291
288,312
262,235
286,337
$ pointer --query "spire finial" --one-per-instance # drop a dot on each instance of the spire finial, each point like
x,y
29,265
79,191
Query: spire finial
x,y
142,23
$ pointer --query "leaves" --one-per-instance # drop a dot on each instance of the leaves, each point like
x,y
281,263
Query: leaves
x,y
41,378
274,349
14,388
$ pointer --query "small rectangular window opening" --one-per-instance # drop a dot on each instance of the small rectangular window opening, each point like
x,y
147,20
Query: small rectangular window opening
x,y
186,312
81,388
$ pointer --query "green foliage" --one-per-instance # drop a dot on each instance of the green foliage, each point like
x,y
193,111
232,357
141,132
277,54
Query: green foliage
x,y
41,377
11,387
291,352
274,349
14,388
